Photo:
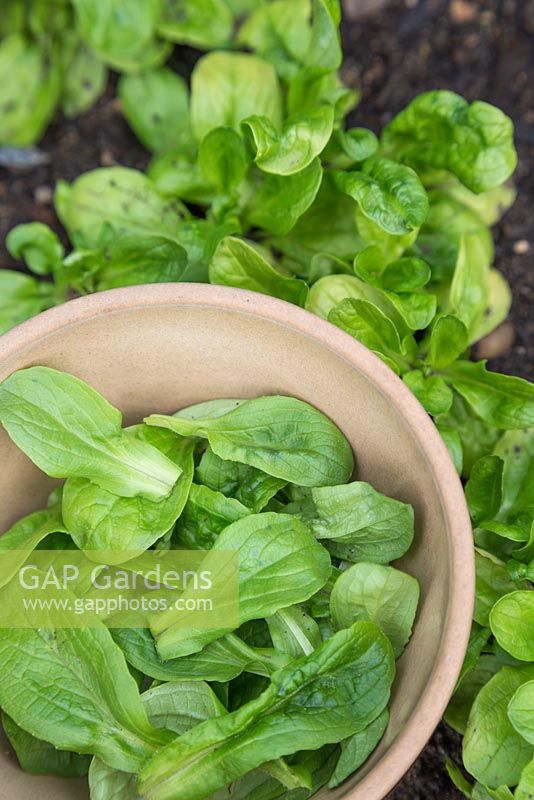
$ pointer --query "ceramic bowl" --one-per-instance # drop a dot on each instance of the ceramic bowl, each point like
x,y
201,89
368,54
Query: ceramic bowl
x,y
161,347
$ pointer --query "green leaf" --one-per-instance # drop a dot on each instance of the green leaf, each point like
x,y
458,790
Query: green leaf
x,y
199,23
300,141
350,147
283,199
210,409
410,310
506,530
441,130
124,199
21,297
308,89
484,488
453,444
200,238
228,87
107,783
84,81
383,595
405,275
205,515
283,436
525,787
279,31
493,752
457,777
371,327
237,263
241,7
415,309
327,227
438,241
105,714
37,245
520,711
324,50
478,639
391,245
497,307
22,538
328,292
156,105
512,624
78,272
490,206
180,705
222,159
99,520
177,175
40,758
292,777
516,448
222,660
502,401
294,632
360,524
476,437
286,546
526,552
251,487
432,391
177,707
492,582
44,21
322,698
369,264
520,572
30,85
460,705
69,430
121,32
448,340
388,193
303,54
13,19
134,259
356,749
469,293
481,792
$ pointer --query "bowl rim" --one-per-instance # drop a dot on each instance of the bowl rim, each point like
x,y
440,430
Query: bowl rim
x,y
405,749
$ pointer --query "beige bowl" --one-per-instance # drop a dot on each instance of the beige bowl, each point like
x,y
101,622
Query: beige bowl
x,y
161,347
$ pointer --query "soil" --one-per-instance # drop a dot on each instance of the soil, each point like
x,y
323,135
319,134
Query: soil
x,y
483,49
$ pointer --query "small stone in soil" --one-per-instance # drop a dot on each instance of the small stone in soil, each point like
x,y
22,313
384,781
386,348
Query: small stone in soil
x,y
462,12
497,342
43,195
22,158
356,9
107,159
521,247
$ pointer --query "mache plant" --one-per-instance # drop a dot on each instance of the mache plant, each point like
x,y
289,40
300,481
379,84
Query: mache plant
x,y
57,54
257,183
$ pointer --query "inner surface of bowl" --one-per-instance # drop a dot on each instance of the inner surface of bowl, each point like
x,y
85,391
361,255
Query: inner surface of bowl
x,y
159,348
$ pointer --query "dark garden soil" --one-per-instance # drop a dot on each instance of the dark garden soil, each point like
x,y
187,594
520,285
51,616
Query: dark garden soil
x,y
481,48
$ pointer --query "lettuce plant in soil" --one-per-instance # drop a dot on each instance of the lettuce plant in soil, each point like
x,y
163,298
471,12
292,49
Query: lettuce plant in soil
x,y
256,182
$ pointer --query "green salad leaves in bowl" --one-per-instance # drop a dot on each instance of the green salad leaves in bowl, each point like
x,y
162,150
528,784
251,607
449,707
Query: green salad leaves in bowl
x,y
238,437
